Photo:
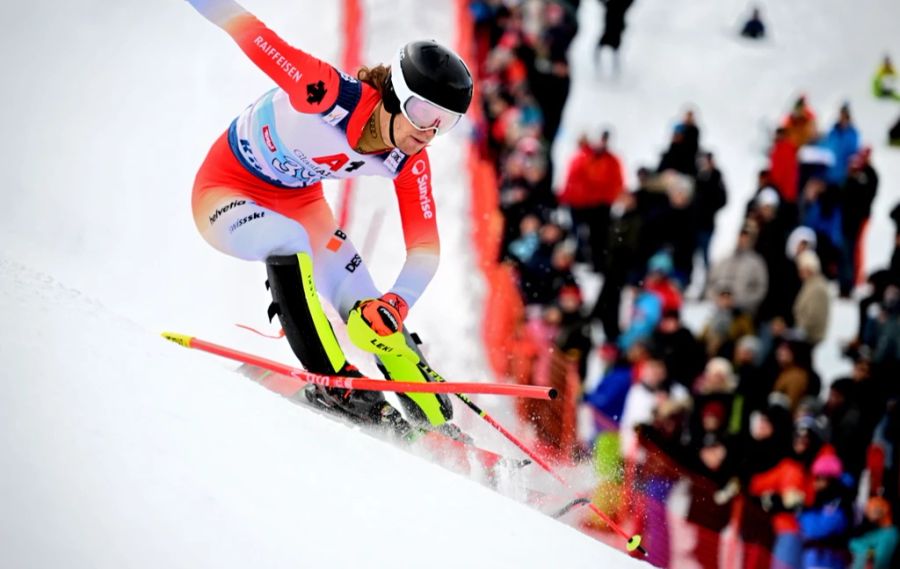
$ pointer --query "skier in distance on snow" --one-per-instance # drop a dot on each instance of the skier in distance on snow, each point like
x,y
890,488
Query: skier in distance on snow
x,y
258,196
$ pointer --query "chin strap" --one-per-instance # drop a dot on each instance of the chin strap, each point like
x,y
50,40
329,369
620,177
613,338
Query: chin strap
x,y
391,129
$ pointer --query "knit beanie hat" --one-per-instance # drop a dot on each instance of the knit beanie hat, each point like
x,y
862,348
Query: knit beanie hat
x,y
828,466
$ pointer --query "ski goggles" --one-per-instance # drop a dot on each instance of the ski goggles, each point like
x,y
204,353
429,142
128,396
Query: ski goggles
x,y
420,112
425,115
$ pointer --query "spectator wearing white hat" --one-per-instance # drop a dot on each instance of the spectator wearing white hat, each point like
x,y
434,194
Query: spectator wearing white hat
x,y
767,198
771,237
801,239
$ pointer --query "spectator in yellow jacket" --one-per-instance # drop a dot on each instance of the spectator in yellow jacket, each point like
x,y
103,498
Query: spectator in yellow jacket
x,y
886,84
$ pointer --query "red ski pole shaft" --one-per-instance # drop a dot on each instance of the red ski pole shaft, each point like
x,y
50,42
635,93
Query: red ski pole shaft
x,y
493,422
633,542
367,384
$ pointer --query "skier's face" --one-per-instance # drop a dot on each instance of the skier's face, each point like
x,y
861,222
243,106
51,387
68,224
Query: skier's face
x,y
409,139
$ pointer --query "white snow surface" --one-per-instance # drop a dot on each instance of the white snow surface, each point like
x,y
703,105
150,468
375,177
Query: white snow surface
x,y
118,449
121,451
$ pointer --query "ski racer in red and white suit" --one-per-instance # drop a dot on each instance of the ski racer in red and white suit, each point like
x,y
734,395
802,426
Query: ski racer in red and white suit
x,y
258,195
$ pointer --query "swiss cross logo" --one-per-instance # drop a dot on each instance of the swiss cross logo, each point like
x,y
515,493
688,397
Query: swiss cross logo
x,y
315,92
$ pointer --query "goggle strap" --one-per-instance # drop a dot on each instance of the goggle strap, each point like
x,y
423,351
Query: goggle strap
x,y
389,98
391,129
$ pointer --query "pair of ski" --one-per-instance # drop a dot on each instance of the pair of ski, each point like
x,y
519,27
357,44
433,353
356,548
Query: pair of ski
x,y
293,383
456,453
290,382
450,452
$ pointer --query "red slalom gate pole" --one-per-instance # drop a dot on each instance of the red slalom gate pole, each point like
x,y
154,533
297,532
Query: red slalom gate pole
x,y
364,383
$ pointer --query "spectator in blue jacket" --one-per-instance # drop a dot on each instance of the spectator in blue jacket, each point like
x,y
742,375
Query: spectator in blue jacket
x,y
843,141
646,314
658,294
609,396
821,211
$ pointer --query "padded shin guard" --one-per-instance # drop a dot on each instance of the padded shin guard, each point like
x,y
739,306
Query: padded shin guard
x,y
433,408
296,302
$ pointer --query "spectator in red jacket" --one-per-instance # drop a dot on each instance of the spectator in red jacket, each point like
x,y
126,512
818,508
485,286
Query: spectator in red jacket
x,y
593,183
784,169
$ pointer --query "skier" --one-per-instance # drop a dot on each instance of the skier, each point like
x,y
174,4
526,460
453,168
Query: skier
x,y
258,196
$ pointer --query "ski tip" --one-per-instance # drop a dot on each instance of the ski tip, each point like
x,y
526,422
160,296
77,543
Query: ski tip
x,y
180,339
553,393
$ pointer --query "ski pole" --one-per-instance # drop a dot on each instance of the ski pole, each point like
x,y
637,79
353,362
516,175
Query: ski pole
x,y
568,507
361,383
632,542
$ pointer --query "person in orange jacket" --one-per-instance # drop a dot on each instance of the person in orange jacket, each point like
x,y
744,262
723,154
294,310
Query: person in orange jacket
x,y
801,123
593,183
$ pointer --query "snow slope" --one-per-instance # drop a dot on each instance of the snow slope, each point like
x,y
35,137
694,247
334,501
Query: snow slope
x,y
121,450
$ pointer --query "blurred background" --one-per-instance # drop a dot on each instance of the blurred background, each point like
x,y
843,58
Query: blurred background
x,y
699,205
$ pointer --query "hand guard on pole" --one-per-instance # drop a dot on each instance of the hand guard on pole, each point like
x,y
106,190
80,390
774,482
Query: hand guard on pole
x,y
383,315
375,325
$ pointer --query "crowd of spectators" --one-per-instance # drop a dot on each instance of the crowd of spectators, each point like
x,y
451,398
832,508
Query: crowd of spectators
x,y
738,407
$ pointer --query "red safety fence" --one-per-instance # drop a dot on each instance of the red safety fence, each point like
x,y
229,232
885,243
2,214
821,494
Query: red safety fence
x,y
511,351
555,421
